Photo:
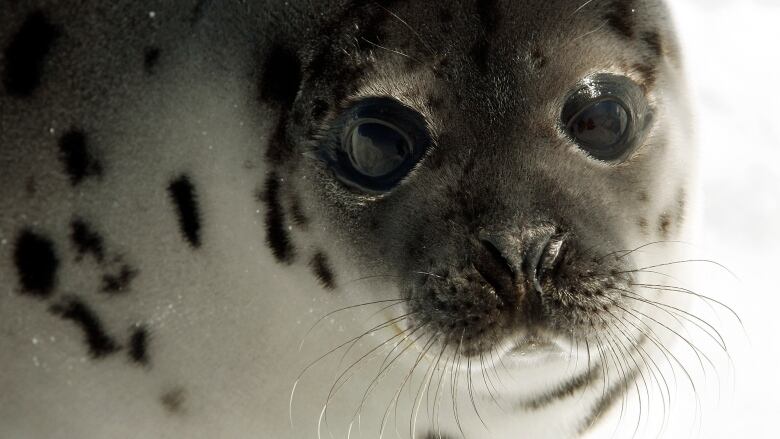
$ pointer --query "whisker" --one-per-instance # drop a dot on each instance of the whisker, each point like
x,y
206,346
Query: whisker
x,y
346,308
322,357
687,316
686,261
416,34
397,52
427,377
470,388
580,8
658,378
687,291
386,366
387,411
626,253
338,381
601,26
656,340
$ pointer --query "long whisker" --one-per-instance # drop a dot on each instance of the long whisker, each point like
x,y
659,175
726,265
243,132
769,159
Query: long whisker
x,y
689,292
387,411
686,261
652,367
424,385
687,316
325,355
386,364
340,380
346,308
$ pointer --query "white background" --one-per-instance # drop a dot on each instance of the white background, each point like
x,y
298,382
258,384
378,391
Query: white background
x,y
733,58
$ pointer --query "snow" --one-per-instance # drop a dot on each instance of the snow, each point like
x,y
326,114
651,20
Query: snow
x,y
734,63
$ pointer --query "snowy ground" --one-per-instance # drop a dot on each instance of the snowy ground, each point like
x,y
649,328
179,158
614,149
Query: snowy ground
x,y
734,64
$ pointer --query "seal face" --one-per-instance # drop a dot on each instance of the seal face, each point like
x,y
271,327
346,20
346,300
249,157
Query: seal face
x,y
178,192
499,165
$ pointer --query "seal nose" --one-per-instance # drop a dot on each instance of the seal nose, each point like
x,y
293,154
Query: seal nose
x,y
505,262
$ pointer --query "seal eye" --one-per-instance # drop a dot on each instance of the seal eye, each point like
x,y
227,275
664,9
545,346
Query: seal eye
x,y
374,144
600,127
376,148
607,117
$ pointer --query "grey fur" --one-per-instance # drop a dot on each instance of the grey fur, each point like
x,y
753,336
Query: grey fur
x,y
490,79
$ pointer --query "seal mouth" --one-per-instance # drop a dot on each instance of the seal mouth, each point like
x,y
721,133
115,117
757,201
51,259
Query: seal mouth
x,y
531,350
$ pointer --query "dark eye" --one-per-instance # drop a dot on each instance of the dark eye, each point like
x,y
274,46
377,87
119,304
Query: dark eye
x,y
607,117
375,144
376,148
600,127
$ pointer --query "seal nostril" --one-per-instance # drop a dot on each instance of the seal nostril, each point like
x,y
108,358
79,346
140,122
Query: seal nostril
x,y
495,269
553,253
545,257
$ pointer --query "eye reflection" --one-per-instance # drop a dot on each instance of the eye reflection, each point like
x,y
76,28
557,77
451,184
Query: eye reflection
x,y
376,148
601,125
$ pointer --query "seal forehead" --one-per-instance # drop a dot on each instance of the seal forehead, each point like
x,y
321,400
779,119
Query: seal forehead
x,y
491,54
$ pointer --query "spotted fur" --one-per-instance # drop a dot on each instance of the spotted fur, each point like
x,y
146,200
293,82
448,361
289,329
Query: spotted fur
x,y
177,256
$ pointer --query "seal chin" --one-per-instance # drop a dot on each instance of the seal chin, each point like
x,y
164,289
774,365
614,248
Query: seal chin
x,y
532,351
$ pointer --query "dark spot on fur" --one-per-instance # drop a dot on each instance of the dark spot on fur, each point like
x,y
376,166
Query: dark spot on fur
x,y
138,351
436,435
78,158
99,343
620,17
608,398
118,282
299,218
182,193
319,64
642,223
173,400
85,240
278,150
566,389
654,43
25,56
281,77
643,197
151,58
680,210
275,225
682,199
321,267
648,74
664,224
36,264
539,59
